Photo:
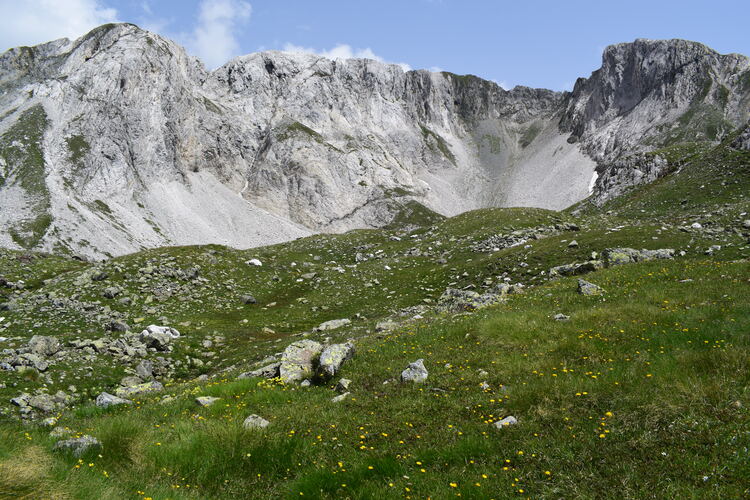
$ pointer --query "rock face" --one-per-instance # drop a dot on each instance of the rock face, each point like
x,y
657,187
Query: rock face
x,y
129,142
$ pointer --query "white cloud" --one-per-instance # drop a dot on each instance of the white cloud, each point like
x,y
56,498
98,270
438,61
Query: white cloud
x,y
30,22
214,39
342,51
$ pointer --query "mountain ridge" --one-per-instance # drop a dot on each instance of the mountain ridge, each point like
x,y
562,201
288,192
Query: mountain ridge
x,y
143,147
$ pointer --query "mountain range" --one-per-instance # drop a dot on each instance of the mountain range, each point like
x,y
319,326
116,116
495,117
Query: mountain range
x,y
121,141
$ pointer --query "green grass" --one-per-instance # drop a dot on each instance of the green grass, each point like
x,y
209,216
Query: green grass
x,y
434,141
642,394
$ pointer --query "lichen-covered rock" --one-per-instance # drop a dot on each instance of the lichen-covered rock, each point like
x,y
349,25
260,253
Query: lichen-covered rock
x,y
576,269
455,300
619,256
44,346
299,360
415,372
105,400
255,422
332,357
333,324
138,389
588,288
78,446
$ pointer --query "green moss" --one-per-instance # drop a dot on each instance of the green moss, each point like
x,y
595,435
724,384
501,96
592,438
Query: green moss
x,y
494,142
437,142
102,207
21,149
79,148
529,134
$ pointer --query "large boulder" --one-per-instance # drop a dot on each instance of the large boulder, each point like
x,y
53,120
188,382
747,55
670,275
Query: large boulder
x,y
588,288
332,357
619,256
138,389
298,361
159,337
333,324
78,446
255,422
415,372
576,268
456,300
43,346
105,400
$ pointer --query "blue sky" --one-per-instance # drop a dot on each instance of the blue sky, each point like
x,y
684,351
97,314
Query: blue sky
x,y
536,43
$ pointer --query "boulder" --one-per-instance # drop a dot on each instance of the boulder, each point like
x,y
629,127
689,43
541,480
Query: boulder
x,y
333,324
78,446
43,346
587,288
332,357
159,337
415,372
136,390
105,400
255,422
43,402
619,256
248,299
254,262
298,360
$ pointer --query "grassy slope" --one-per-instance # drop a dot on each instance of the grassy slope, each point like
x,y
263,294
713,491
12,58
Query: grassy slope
x,y
642,394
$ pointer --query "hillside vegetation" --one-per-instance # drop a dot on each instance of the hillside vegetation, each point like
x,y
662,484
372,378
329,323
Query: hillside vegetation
x,y
640,392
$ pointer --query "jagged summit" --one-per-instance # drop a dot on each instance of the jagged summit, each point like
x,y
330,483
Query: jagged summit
x,y
121,140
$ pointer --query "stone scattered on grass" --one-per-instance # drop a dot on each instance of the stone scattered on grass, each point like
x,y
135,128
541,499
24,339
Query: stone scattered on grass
x,y
78,446
415,372
255,422
588,288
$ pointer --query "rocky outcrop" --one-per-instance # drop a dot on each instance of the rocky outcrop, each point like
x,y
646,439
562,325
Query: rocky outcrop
x,y
120,140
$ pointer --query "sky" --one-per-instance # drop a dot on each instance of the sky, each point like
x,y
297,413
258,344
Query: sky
x,y
535,43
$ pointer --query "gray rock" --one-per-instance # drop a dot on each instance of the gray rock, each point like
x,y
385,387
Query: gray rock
x,y
44,346
43,402
332,357
333,324
111,292
506,422
305,383
255,422
299,360
105,400
145,369
159,337
343,385
340,397
384,326
249,299
139,389
117,326
268,371
588,288
561,317
78,446
415,372
206,400
619,256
